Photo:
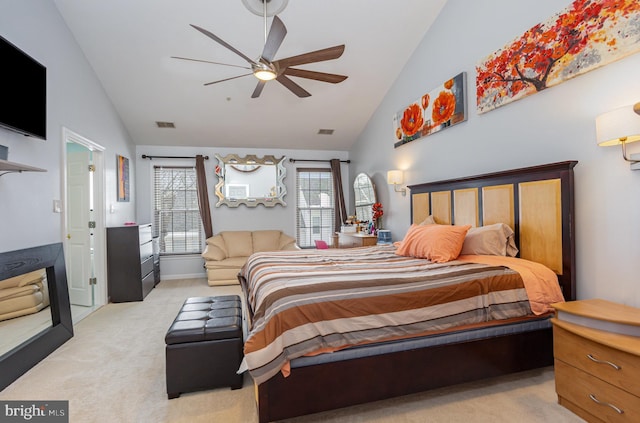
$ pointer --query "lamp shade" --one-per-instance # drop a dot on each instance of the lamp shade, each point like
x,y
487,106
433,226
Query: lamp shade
x,y
618,125
394,177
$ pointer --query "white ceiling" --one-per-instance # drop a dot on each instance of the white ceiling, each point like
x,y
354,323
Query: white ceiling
x,y
129,44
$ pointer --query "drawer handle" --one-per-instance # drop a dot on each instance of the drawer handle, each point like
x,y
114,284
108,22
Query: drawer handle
x,y
595,360
597,401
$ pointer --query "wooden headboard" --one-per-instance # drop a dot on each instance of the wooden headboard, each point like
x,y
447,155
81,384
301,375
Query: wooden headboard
x,y
536,202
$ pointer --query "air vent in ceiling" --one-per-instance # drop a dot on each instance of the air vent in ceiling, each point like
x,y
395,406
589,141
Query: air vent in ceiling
x,y
325,131
165,124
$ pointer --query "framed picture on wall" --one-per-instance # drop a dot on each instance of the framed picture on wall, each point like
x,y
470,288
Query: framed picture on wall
x,y
440,108
122,166
581,37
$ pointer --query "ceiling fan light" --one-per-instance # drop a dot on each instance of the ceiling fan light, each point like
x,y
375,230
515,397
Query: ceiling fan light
x,y
264,74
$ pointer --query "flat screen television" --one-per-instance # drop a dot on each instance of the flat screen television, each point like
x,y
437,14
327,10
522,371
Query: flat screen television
x,y
23,92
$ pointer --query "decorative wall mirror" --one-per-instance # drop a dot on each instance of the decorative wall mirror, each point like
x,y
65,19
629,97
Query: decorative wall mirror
x,y
365,196
250,180
46,328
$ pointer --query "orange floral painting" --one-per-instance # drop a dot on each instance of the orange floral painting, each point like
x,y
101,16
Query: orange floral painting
x,y
584,36
443,107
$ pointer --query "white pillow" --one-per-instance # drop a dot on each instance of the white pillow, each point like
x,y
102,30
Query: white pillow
x,y
496,240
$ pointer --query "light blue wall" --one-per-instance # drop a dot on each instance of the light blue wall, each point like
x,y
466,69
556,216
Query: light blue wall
x,y
75,100
557,124
226,218
238,218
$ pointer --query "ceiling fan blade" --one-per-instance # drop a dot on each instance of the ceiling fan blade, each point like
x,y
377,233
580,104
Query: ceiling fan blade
x,y
292,86
274,39
208,61
311,57
222,42
318,76
258,90
228,79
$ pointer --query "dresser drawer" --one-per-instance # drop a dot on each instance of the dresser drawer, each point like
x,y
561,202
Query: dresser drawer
x,y
349,240
581,392
146,250
148,282
146,267
616,367
144,233
348,243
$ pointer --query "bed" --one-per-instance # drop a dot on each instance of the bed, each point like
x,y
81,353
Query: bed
x,y
537,202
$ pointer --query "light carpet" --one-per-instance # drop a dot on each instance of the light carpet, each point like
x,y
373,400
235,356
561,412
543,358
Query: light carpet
x,y
113,370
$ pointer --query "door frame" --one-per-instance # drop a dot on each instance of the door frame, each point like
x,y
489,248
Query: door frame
x,y
99,189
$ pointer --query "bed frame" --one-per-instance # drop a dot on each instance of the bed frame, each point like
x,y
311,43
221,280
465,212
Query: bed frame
x,y
537,202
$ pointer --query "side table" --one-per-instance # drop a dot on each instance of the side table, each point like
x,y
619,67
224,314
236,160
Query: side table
x,y
596,346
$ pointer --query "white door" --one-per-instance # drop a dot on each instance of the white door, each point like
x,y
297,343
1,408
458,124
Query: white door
x,y
79,236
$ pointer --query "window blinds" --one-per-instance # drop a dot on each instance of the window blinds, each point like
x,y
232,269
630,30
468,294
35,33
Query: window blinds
x,y
176,215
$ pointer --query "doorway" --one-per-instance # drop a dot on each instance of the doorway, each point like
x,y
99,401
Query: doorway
x,y
84,223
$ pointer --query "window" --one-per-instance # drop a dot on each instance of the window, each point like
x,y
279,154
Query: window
x,y
315,208
176,214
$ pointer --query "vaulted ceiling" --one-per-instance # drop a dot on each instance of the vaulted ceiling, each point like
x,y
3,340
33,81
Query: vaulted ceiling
x,y
130,44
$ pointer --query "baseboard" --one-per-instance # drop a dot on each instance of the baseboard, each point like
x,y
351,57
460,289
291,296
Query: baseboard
x,y
185,276
182,266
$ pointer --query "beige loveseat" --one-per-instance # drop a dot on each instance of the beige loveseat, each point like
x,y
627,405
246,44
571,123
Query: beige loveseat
x,y
228,251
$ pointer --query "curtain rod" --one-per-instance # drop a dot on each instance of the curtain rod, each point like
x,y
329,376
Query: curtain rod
x,y
327,161
144,156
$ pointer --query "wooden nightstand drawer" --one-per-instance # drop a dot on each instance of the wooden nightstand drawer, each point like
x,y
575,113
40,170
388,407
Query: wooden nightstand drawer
x,y
616,367
589,396
352,240
596,345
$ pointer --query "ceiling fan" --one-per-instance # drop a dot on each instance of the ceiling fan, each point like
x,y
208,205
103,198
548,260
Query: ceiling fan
x,y
266,69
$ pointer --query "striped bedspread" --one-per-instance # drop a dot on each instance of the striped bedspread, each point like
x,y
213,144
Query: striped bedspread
x,y
310,301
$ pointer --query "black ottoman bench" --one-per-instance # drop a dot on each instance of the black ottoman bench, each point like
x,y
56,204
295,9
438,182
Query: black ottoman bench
x,y
204,345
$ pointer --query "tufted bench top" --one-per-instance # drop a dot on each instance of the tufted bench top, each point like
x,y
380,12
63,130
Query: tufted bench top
x,y
207,319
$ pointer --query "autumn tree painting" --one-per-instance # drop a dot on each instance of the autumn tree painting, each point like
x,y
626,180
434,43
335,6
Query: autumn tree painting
x,y
586,35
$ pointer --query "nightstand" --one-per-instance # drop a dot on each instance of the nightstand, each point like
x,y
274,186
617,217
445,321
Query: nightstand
x,y
596,346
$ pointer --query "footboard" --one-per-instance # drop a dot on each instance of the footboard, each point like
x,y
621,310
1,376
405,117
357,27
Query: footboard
x,y
328,386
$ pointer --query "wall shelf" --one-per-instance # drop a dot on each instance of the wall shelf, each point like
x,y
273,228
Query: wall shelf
x,y
11,167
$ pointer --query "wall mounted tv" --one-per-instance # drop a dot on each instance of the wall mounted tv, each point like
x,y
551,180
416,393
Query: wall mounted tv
x,y
23,92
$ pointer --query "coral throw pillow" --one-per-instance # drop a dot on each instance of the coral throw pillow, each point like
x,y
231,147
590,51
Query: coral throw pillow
x,y
437,243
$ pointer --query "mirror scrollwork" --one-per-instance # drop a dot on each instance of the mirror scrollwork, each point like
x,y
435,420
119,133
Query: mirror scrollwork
x,y
250,180
365,196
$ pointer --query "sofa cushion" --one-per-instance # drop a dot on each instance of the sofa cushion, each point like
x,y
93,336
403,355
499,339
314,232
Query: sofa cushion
x,y
217,248
211,252
287,243
238,243
266,240
229,276
230,263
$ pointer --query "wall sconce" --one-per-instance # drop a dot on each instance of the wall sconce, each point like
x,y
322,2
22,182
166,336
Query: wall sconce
x,y
394,177
620,126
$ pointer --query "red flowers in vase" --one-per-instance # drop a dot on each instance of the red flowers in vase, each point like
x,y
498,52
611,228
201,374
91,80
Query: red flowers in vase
x,y
376,216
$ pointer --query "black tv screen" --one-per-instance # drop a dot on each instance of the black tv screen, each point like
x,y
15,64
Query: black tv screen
x,y
23,92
